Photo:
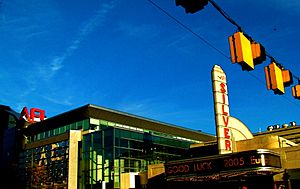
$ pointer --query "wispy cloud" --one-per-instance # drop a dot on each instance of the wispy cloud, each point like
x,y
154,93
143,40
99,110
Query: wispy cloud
x,y
87,28
138,108
186,116
140,31
66,101
29,24
24,21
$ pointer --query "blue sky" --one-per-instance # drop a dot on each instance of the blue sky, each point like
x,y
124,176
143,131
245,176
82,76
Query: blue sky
x,y
58,55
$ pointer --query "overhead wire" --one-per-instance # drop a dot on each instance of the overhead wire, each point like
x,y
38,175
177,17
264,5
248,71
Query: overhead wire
x,y
188,28
212,46
224,14
280,65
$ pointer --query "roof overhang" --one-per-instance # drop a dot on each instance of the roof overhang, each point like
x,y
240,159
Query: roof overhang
x,y
97,112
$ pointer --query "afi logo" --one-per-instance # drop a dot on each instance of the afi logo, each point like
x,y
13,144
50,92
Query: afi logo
x,y
34,116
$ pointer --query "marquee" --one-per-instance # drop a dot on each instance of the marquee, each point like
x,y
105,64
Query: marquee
x,y
214,167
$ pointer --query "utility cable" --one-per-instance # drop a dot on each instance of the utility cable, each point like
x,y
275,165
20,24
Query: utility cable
x,y
280,65
188,29
209,44
221,11
214,4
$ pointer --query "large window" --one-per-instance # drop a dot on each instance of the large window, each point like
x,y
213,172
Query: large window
x,y
111,150
45,166
58,131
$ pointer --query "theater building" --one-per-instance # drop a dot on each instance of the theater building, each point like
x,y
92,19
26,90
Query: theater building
x,y
238,159
267,161
94,147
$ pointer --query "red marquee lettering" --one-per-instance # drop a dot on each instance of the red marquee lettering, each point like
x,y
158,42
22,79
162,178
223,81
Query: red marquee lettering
x,y
225,117
223,98
225,120
223,110
178,169
223,90
226,133
228,145
202,166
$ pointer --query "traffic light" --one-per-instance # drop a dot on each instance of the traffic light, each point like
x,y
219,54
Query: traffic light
x,y
287,78
240,51
258,53
192,6
296,91
274,78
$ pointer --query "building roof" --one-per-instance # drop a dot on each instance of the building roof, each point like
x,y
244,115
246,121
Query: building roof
x,y
8,110
291,133
97,112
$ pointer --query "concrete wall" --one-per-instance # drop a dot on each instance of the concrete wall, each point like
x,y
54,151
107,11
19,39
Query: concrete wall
x,y
128,180
290,157
262,142
155,170
75,137
289,152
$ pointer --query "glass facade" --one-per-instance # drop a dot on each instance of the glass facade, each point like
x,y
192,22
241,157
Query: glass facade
x,y
107,150
114,149
58,131
45,166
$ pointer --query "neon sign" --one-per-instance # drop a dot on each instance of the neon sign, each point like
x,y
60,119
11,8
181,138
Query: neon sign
x,y
237,161
35,115
220,91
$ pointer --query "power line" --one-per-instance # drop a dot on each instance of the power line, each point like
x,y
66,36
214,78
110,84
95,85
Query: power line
x,y
212,46
280,65
224,14
188,29
287,99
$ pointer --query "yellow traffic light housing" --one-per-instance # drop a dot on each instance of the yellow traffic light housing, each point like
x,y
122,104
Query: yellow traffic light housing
x,y
258,53
287,77
274,78
240,50
296,91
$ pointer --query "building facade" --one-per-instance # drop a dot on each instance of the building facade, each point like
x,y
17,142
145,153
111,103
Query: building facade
x,y
269,160
8,144
95,147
